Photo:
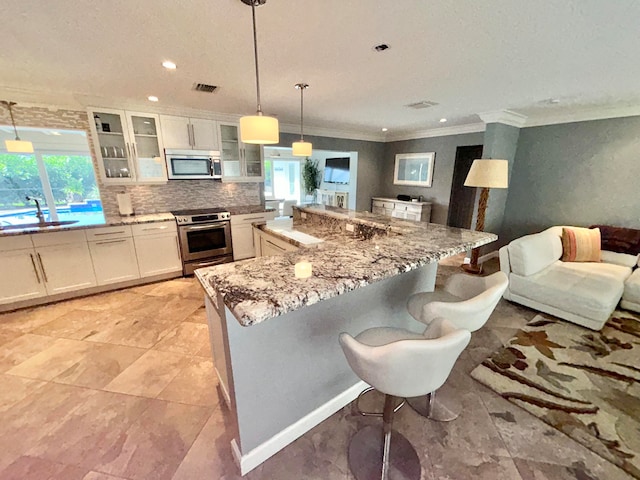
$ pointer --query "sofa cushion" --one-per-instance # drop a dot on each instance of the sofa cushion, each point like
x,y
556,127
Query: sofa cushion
x,y
532,253
632,288
620,239
580,244
622,259
604,270
582,291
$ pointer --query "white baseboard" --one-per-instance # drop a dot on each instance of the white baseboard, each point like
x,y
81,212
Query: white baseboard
x,y
261,453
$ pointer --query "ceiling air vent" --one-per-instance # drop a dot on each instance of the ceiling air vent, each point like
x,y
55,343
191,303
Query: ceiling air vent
x,y
203,87
422,104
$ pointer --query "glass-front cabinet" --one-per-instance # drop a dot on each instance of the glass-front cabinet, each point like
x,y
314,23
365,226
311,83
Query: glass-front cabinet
x,y
241,162
129,146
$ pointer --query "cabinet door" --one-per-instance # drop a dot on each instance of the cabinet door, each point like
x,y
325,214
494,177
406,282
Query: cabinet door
x,y
20,278
242,240
66,267
230,150
113,146
147,147
114,260
253,165
204,134
270,249
176,132
158,254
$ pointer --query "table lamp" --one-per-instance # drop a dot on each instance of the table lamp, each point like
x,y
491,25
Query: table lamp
x,y
486,174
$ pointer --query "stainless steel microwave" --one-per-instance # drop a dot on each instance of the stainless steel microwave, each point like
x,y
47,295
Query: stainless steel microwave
x,y
193,164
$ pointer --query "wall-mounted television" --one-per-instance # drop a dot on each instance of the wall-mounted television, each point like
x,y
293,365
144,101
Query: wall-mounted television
x,y
336,170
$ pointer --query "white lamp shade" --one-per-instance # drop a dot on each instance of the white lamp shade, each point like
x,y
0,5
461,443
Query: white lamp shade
x,y
19,146
259,129
488,173
301,149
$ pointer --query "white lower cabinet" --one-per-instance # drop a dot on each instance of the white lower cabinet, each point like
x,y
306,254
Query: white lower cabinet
x,y
270,245
20,278
242,233
66,267
157,248
114,260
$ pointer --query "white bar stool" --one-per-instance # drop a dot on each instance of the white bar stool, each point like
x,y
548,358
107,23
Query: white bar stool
x,y
398,363
467,302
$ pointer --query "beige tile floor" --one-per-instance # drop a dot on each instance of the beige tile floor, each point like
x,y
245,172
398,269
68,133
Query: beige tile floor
x,y
121,386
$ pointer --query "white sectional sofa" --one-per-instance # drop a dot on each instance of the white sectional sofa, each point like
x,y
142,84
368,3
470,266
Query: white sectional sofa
x,y
585,293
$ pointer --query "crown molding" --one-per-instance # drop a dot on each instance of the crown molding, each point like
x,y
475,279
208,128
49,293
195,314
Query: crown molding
x,y
332,133
437,132
600,113
504,116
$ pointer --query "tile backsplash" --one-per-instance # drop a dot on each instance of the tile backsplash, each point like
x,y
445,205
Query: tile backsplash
x,y
181,194
174,195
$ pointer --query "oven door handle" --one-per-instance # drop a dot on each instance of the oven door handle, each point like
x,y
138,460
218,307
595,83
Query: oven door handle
x,y
204,227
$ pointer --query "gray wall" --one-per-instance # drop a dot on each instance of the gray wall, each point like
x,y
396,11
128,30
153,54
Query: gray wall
x,y
440,191
370,161
575,174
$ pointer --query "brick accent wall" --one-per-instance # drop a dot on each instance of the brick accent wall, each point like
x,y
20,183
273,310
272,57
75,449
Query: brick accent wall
x,y
174,195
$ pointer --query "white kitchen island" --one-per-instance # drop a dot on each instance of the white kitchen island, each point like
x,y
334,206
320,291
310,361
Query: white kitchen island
x,y
275,337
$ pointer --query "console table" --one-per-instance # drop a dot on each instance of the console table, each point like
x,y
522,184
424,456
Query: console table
x,y
391,207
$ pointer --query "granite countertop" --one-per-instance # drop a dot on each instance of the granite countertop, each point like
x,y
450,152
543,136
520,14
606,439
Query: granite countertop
x,y
110,221
380,247
248,209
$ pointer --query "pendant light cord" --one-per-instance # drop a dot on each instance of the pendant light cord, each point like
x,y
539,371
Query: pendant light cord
x,y
301,114
13,122
255,54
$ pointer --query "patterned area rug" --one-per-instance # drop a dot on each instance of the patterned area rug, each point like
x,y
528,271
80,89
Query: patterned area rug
x,y
583,383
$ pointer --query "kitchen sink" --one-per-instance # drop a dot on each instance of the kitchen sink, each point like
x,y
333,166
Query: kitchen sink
x,y
24,226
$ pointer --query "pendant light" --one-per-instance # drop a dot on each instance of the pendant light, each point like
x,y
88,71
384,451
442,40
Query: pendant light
x,y
301,148
17,145
258,129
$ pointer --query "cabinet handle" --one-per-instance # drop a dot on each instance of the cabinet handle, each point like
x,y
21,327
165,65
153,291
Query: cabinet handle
x,y
35,269
109,233
129,151
193,136
44,272
275,246
154,228
133,147
189,134
111,241
252,218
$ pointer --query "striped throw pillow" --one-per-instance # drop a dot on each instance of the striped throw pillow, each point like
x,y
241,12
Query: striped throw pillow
x,y
580,244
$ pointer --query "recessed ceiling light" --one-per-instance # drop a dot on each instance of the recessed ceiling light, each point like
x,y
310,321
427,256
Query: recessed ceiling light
x,y
442,120
152,98
385,129
169,65
553,101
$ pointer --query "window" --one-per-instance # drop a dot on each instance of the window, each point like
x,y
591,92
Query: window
x,y
59,174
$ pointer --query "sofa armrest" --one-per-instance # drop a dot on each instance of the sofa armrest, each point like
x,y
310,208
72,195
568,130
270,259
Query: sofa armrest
x,y
505,267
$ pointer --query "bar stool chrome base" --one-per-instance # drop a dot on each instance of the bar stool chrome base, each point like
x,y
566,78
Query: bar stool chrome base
x,y
443,407
366,456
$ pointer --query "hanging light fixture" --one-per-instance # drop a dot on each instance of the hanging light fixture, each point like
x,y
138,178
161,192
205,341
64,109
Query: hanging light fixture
x,y
17,145
301,148
259,129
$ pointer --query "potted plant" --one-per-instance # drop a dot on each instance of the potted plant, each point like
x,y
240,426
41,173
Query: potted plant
x,y
310,177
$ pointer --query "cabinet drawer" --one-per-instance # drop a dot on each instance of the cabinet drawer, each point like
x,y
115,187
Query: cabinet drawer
x,y
250,218
414,208
377,204
58,238
154,228
123,231
17,242
400,207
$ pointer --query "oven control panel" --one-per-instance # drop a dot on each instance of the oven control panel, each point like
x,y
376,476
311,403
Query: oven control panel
x,y
203,218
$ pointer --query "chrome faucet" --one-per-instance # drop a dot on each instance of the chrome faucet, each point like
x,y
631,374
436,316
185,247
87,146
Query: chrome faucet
x,y
39,213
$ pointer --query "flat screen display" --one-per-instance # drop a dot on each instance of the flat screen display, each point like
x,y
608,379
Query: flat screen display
x,y
336,170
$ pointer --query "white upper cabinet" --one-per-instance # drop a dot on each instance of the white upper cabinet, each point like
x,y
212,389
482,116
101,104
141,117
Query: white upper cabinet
x,y
184,133
241,162
129,146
